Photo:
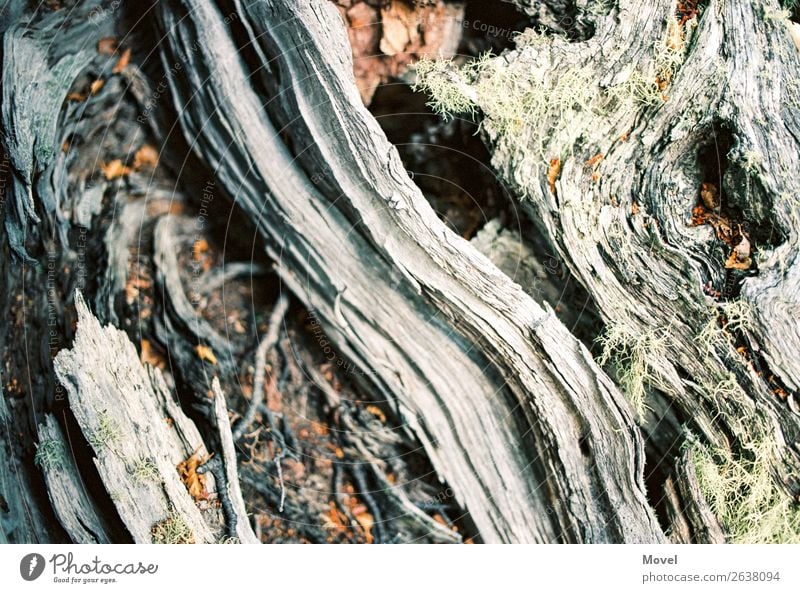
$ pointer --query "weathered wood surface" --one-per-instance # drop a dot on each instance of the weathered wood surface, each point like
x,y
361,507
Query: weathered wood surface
x,y
629,177
74,507
536,441
518,425
138,438
22,519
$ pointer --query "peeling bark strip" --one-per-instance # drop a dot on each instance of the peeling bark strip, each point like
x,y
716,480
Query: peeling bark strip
x,y
511,408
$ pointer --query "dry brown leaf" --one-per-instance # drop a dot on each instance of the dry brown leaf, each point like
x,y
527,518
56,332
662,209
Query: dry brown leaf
x,y
146,156
366,521
710,195
675,35
150,356
195,483
107,45
734,263
206,353
334,519
96,85
399,24
739,258
122,62
114,169
77,97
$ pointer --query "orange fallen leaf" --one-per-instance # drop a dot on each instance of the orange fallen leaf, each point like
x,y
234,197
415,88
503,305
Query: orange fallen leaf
x,y
595,160
146,156
734,262
122,62
635,208
206,353
195,483
199,248
552,174
334,519
376,411
366,521
114,169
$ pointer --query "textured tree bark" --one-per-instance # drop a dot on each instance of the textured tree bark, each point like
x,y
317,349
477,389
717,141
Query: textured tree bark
x,y
536,440
616,180
511,408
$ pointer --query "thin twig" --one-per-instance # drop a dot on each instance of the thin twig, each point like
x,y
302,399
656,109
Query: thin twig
x,y
264,347
278,459
366,496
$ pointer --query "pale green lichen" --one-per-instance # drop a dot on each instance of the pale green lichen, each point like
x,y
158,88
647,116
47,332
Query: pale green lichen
x,y
50,454
523,105
145,471
173,530
743,494
631,354
509,97
446,85
107,432
726,387
730,317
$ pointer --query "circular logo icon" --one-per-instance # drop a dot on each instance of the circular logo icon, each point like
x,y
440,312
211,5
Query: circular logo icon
x,y
31,566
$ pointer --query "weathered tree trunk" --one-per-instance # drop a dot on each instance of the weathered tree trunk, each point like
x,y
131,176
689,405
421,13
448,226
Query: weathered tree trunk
x,y
691,116
256,103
